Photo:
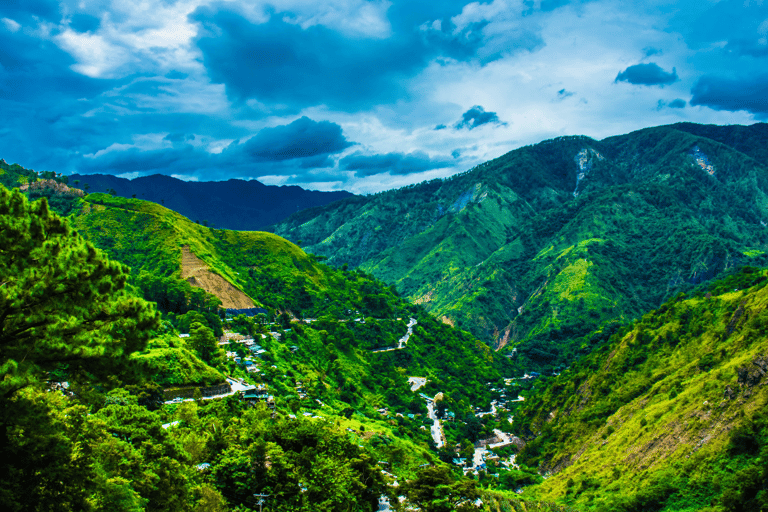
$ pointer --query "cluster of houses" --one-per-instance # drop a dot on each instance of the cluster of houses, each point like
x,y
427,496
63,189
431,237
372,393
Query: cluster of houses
x,y
250,344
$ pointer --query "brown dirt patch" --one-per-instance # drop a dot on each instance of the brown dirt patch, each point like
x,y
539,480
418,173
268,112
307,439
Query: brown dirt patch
x,y
197,273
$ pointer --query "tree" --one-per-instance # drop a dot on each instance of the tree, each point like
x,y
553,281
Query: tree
x,y
436,490
64,315
62,302
201,339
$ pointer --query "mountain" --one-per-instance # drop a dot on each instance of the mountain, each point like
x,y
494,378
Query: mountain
x,y
536,249
337,424
171,257
669,414
232,204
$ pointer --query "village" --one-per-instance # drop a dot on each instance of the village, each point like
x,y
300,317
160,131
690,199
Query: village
x,y
247,353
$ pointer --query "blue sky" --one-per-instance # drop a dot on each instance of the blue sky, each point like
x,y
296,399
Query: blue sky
x,y
358,95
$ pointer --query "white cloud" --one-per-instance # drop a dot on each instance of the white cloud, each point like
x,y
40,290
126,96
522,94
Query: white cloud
x,y
11,25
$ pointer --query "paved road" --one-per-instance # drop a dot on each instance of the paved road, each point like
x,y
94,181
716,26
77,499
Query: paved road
x,y
402,342
436,430
235,385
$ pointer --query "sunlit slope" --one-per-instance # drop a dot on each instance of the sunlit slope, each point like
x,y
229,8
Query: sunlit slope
x,y
355,313
154,239
538,247
670,414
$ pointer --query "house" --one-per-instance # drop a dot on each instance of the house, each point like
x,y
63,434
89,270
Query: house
x,y
252,396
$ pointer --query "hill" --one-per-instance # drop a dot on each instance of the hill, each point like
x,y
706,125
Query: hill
x,y
669,414
82,408
232,204
536,249
171,257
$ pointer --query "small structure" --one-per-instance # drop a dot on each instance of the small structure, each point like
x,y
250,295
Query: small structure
x,y
252,396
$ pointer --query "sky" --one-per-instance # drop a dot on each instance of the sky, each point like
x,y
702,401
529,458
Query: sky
x,y
358,95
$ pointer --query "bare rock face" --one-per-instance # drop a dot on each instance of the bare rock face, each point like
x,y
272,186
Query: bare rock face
x,y
58,188
752,375
197,273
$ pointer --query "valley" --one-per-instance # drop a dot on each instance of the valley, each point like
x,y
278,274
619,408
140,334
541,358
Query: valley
x,y
576,325
539,248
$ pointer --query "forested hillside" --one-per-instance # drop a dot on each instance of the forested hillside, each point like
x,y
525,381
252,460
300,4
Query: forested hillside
x,y
669,414
536,249
85,422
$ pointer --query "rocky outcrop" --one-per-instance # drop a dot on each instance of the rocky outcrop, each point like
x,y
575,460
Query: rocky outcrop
x,y
57,187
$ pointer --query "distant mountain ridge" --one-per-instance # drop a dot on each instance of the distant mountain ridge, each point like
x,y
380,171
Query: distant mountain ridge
x,y
232,204
541,246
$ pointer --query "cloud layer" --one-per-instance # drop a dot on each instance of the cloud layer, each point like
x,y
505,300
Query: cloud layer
x,y
358,94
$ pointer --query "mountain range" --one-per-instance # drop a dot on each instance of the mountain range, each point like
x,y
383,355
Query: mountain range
x,y
233,204
627,271
540,247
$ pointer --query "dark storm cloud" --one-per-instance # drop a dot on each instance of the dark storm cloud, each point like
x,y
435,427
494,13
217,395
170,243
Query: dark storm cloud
x,y
301,139
179,137
283,63
39,96
649,51
477,116
718,93
393,163
38,71
279,62
744,31
166,161
678,103
176,75
291,149
647,74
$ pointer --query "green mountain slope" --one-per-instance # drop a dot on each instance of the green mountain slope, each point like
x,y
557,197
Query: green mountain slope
x,y
356,314
670,414
541,246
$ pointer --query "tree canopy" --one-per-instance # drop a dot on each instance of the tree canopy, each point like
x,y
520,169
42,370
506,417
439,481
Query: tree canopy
x,y
62,302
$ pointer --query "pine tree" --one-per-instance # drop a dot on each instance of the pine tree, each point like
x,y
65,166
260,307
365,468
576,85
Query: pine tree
x,y
62,302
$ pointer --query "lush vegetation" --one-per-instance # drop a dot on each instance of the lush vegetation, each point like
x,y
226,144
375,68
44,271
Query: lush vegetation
x,y
668,414
650,411
538,248
85,360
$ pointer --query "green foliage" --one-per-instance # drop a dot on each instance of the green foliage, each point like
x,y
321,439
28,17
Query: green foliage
x,y
508,253
61,301
435,489
175,367
96,449
681,387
